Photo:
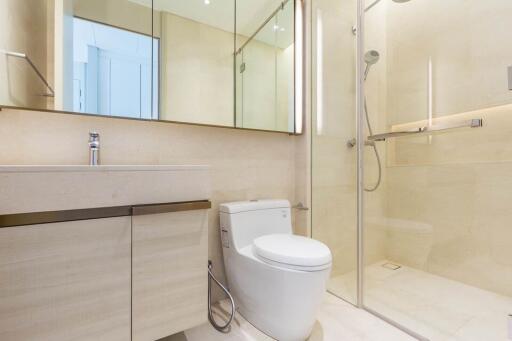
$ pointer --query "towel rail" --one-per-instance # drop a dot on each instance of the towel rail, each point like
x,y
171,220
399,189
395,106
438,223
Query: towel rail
x,y
34,67
474,123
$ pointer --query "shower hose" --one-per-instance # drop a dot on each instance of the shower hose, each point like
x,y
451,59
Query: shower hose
x,y
224,327
375,150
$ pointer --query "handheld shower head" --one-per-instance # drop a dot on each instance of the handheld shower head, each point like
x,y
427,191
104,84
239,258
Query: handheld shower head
x,y
370,58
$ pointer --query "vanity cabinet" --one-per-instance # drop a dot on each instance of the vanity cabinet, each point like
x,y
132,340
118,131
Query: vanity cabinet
x,y
66,281
170,255
102,253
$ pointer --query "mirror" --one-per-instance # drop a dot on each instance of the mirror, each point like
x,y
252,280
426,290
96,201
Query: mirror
x,y
196,60
169,60
84,56
265,65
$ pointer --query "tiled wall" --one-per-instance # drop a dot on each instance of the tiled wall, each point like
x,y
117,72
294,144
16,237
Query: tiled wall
x,y
448,197
244,164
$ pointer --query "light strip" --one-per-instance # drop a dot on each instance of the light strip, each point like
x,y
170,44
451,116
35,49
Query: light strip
x,y
319,73
299,72
430,97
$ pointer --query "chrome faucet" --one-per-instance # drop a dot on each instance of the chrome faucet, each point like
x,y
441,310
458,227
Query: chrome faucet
x,y
94,148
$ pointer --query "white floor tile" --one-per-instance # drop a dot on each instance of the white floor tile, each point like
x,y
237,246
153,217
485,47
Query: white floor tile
x,y
435,307
337,321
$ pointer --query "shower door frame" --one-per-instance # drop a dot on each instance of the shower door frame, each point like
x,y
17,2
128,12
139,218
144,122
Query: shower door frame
x,y
361,138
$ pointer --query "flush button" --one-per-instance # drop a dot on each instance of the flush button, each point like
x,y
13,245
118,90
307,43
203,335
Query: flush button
x,y
225,238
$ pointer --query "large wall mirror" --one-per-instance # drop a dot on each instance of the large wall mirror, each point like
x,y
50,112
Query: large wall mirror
x,y
232,63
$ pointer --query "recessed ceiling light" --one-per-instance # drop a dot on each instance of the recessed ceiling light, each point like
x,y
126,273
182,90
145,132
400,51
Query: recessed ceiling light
x,y
206,2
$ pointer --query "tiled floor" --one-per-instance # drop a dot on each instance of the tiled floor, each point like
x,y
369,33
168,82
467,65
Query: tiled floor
x,y
433,306
337,321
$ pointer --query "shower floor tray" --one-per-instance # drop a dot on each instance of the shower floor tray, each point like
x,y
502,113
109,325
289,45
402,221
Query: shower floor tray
x,y
438,308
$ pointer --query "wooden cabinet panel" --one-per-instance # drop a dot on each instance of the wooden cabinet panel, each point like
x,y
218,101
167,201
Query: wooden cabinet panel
x,y
66,281
169,272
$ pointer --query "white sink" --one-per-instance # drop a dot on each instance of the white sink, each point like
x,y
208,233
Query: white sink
x,y
53,188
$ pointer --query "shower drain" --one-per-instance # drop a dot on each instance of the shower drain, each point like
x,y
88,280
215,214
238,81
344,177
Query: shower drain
x,y
391,266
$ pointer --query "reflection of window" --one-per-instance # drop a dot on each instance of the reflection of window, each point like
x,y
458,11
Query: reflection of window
x,y
112,71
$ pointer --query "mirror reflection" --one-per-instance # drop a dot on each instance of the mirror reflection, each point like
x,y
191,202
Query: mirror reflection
x,y
170,60
196,77
84,56
265,70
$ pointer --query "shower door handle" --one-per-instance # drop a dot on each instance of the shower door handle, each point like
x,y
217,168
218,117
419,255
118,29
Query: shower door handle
x,y
474,123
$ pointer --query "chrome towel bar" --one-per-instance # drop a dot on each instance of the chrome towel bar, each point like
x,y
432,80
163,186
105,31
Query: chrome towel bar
x,y
474,123
34,67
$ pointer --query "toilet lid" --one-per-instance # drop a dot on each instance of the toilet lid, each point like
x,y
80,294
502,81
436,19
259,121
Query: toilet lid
x,y
292,250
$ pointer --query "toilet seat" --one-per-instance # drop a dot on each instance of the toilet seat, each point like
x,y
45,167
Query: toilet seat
x,y
292,252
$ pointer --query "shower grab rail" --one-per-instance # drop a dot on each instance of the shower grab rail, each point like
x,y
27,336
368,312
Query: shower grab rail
x,y
474,123
34,67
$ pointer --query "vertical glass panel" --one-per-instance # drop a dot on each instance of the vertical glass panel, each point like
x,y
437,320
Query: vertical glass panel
x,y
265,65
438,244
195,72
334,199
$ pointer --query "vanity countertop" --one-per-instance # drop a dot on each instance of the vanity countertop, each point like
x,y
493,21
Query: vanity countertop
x,y
54,188
100,168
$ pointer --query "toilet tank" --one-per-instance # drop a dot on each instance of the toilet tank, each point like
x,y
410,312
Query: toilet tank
x,y
243,221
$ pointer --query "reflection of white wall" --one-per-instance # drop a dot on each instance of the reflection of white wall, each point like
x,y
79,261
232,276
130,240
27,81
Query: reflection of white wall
x,y
197,72
116,79
266,87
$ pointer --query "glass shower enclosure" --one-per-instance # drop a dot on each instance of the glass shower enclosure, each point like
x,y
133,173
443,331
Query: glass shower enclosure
x,y
411,161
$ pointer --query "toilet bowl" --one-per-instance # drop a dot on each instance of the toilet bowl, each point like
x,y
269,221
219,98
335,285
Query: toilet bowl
x,y
277,279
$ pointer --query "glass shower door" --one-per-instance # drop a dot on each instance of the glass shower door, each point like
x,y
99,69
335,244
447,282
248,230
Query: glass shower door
x,y
437,237
334,220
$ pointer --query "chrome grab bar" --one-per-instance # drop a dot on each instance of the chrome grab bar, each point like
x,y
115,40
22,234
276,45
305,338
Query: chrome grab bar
x,y
34,67
474,123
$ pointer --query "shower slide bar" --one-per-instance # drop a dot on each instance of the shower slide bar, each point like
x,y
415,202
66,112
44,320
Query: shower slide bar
x,y
34,67
474,123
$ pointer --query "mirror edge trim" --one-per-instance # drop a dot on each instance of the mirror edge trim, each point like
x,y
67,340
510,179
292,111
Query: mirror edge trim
x,y
7,107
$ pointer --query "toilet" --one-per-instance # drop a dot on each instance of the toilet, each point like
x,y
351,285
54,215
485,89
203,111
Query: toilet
x,y
278,280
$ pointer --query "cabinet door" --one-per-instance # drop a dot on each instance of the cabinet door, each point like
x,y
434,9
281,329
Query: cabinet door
x,y
170,253
66,281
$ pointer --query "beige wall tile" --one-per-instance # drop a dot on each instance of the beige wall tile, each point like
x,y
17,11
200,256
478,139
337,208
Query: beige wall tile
x,y
244,164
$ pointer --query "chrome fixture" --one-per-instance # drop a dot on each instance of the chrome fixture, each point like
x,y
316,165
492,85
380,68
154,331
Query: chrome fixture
x,y
377,1
34,67
94,148
474,123
352,143
371,58
220,328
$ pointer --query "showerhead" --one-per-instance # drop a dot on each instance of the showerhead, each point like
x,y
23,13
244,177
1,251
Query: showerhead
x,y
370,58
